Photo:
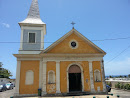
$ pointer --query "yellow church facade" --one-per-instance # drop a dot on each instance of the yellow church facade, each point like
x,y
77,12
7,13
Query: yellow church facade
x,y
71,64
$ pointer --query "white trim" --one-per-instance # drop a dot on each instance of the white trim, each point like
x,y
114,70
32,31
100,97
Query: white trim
x,y
53,77
17,78
31,28
32,57
40,74
44,78
91,77
75,46
21,41
35,37
72,58
42,40
58,77
82,75
29,52
61,55
103,76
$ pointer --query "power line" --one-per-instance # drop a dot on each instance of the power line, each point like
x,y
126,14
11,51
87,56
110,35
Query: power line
x,y
78,41
118,55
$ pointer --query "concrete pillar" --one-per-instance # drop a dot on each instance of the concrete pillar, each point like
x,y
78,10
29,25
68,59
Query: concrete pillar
x,y
58,77
103,76
44,78
17,78
21,40
40,74
91,77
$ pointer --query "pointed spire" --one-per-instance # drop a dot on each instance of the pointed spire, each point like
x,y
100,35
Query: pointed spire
x,y
33,16
34,10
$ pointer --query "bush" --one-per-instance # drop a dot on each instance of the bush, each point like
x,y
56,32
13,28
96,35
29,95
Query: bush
x,y
121,86
115,85
124,86
118,85
109,83
128,87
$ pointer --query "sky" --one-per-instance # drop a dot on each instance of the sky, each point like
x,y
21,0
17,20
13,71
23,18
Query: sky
x,y
95,19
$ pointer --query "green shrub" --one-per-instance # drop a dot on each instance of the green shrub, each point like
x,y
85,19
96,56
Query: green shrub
x,y
115,85
124,87
121,86
128,87
118,85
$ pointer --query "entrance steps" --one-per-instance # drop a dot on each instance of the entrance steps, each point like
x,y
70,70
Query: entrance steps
x,y
75,93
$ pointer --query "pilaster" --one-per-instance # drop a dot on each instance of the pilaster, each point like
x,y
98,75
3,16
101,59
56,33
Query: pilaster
x,y
103,76
42,40
91,77
17,78
58,77
21,40
40,74
44,77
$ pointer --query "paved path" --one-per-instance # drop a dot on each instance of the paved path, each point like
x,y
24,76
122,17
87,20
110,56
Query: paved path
x,y
122,93
7,94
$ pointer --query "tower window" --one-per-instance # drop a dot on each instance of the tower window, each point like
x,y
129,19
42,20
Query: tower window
x,y
32,37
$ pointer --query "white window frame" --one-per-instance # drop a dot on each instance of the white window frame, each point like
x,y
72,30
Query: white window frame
x,y
75,46
35,37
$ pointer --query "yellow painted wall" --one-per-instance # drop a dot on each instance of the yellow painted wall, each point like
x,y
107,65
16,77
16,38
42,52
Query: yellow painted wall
x,y
64,47
51,88
97,65
63,75
25,66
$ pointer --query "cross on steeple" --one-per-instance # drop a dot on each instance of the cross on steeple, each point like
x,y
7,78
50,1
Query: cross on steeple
x,y
73,24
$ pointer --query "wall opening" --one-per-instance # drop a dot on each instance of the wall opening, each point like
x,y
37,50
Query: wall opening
x,y
75,83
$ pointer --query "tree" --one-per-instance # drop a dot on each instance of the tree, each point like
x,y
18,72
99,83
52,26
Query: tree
x,y
110,77
129,76
4,73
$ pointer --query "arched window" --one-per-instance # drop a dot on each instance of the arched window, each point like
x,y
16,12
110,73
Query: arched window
x,y
97,75
51,77
29,77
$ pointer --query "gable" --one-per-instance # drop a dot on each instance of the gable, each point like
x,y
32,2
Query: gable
x,y
63,45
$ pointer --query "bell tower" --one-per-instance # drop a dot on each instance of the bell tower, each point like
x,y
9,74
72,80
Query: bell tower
x,y
33,30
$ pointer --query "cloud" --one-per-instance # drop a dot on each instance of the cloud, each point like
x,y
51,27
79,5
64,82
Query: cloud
x,y
118,67
6,25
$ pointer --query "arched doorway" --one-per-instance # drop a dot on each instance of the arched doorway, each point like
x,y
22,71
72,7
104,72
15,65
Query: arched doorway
x,y
75,83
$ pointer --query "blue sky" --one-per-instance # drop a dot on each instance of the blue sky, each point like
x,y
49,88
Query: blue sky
x,y
95,19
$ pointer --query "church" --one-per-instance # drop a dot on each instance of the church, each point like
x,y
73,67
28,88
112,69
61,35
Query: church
x,y
71,64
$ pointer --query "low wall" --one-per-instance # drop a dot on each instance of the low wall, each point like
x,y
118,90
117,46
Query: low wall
x,y
113,82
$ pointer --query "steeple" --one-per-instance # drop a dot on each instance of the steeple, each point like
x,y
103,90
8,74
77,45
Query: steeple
x,y
32,31
33,16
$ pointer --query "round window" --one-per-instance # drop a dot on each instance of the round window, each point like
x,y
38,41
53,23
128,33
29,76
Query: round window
x,y
73,44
